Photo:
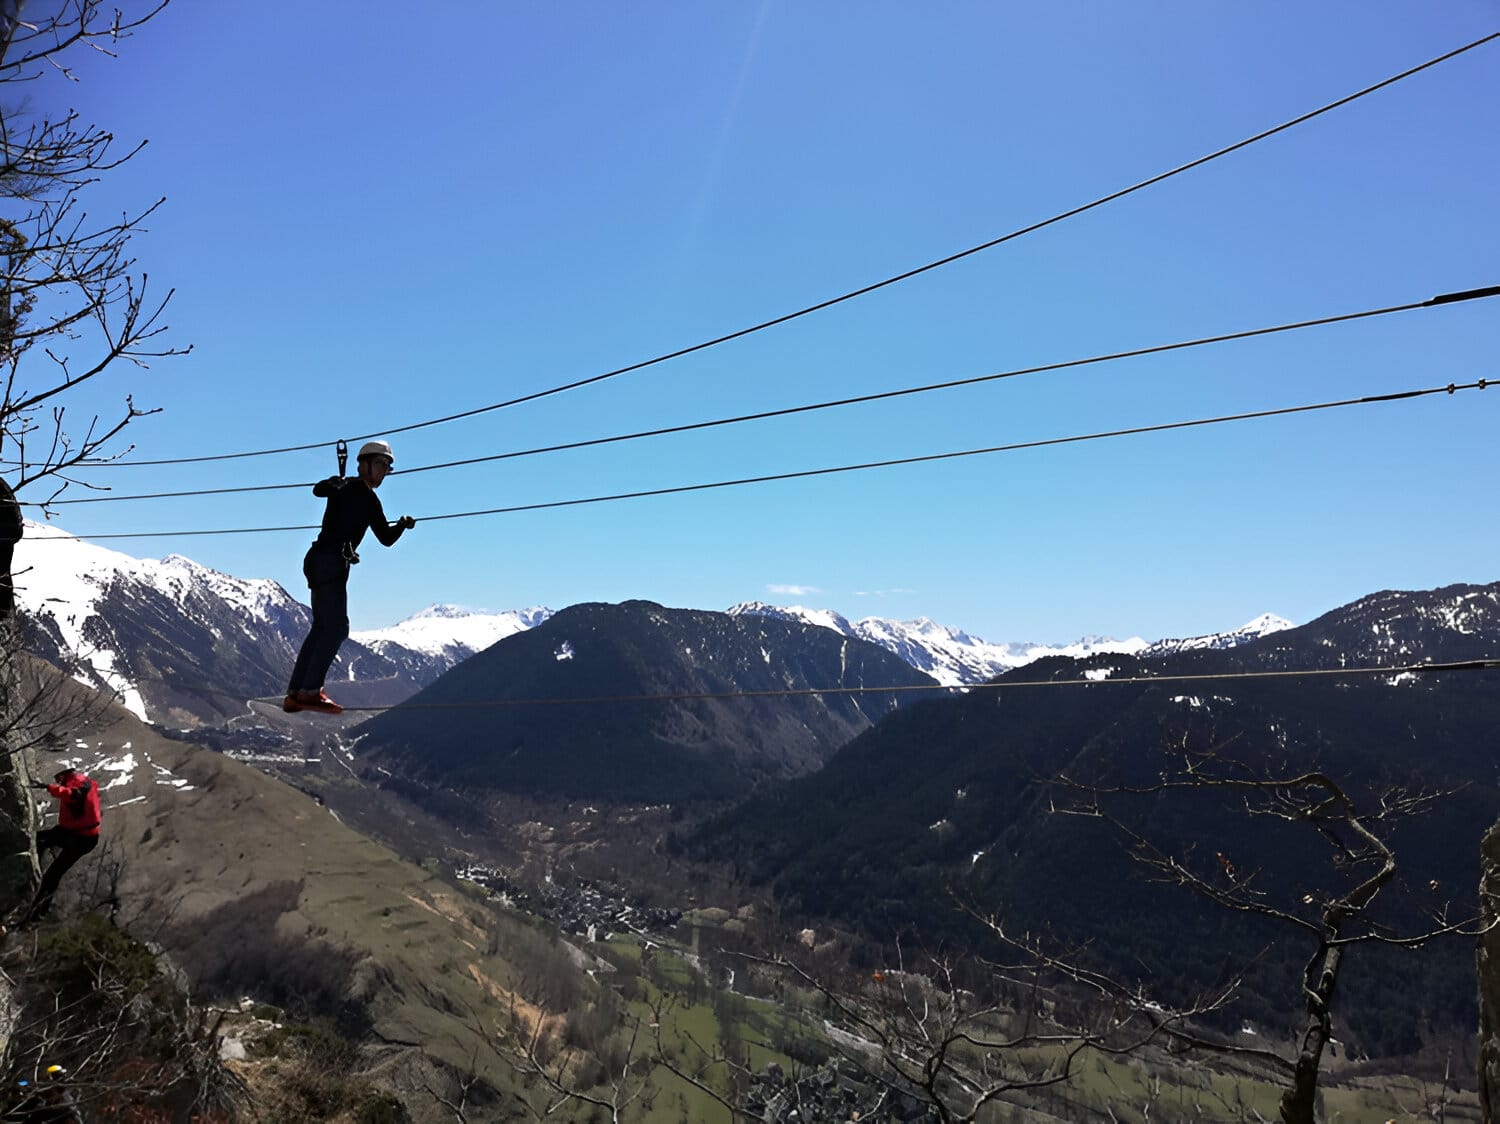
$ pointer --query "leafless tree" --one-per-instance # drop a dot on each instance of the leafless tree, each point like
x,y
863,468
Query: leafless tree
x,y
74,306
456,1100
43,710
914,1032
73,302
48,707
908,1038
109,1013
1354,829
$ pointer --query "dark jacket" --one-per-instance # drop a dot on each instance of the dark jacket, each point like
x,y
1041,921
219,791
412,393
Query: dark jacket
x,y
353,508
11,527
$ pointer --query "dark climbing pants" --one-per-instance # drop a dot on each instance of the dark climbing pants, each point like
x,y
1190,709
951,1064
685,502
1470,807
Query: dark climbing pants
x,y
7,586
70,846
328,579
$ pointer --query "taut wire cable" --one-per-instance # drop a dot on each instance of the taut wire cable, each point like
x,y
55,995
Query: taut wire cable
x,y
1155,349
1282,411
1020,232
994,685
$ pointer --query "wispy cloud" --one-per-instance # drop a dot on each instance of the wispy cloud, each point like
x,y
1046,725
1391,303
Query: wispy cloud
x,y
883,592
792,590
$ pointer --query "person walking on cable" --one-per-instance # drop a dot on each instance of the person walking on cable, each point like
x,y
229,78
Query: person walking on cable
x,y
353,508
75,834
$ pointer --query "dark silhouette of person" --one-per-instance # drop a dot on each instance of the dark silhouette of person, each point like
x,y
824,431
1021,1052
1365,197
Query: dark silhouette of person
x,y
75,834
11,530
353,508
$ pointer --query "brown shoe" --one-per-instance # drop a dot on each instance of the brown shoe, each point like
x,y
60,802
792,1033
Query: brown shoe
x,y
290,704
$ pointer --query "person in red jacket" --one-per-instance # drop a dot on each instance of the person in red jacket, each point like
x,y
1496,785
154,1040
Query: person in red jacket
x,y
75,834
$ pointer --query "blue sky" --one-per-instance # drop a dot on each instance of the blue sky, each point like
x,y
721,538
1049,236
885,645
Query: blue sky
x,y
382,213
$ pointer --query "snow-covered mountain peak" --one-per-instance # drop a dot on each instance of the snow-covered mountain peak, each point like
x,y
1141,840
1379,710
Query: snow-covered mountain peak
x,y
447,613
823,618
62,569
451,632
1263,625
923,626
950,656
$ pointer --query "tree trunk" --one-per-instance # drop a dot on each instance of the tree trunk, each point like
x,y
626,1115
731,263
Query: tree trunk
x,y
18,864
1299,1103
1489,976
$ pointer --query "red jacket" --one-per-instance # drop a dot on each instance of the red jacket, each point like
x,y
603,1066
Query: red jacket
x,y
77,804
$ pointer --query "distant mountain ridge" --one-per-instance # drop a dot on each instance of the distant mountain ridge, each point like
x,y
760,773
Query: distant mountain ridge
x,y
1262,626
955,658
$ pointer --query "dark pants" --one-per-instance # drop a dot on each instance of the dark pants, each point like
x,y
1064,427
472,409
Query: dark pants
x,y
7,588
328,579
71,846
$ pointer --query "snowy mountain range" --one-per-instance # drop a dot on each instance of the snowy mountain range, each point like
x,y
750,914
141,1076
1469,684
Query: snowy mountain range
x,y
182,644
955,658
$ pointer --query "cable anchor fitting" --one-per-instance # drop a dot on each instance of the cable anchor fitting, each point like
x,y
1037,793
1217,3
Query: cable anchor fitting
x,y
342,449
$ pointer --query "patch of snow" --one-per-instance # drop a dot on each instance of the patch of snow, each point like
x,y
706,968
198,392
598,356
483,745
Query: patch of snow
x,y
122,767
564,651
1099,673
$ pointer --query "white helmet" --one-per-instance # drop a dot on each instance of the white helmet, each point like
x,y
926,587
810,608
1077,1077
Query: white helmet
x,y
376,449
